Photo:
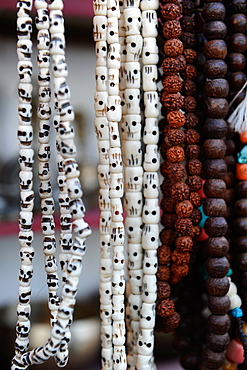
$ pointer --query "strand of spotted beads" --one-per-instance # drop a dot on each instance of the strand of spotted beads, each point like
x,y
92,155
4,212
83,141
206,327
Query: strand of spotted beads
x,y
81,230
151,210
45,190
132,155
214,169
102,132
117,233
26,154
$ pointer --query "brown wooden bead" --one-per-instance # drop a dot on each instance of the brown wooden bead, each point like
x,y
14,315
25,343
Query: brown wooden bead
x,y
212,359
190,55
214,30
215,68
194,167
213,11
217,286
230,147
215,226
242,262
217,88
189,72
172,29
173,47
240,226
219,324
178,270
196,218
214,148
217,267
217,247
241,207
230,161
217,342
236,62
215,49
167,205
237,80
191,137
218,305
215,128
241,189
238,23
230,197
177,172
214,188
216,107
180,257
214,169
241,243
163,290
214,207
165,307
175,137
238,43
166,187
238,6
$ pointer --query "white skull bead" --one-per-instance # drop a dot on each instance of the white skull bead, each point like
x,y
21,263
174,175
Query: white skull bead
x,y
71,168
101,128
42,19
132,19
101,77
118,337
99,28
151,185
150,236
151,211
101,53
151,158
25,71
116,209
149,77
25,135
43,42
134,227
112,30
24,50
133,179
133,48
131,127
149,23
100,7
56,21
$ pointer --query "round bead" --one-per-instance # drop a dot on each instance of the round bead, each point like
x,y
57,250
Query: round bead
x,y
219,324
215,226
187,23
216,107
240,226
170,11
189,104
237,80
213,11
217,342
217,88
241,243
195,199
178,271
173,47
217,247
191,120
194,166
241,189
241,207
184,226
175,154
214,207
188,7
192,151
184,243
194,182
214,148
218,305
215,49
217,286
170,323
214,188
215,68
163,290
238,23
214,30
214,169
188,39
176,119
172,84
190,55
236,62
172,101
163,273
238,43
238,6
217,267
242,262
177,172
189,88
215,128
212,359
184,209
165,307
172,29
167,236
164,254
180,192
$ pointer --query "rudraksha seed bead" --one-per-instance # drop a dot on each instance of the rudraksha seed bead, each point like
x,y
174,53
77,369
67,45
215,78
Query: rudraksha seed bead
x,y
167,205
217,342
218,305
184,226
213,360
214,169
196,218
238,23
165,167
215,49
214,148
172,29
172,101
240,226
195,199
188,39
194,182
216,107
190,55
189,104
241,189
242,262
215,68
192,151
163,290
184,244
217,247
180,258
184,209
219,324
181,345
170,11
217,286
191,120
171,66
169,324
164,255
241,207
180,191
238,43
217,267
196,231
213,11
187,23
163,273
172,84
168,220
177,172
214,30
191,137
167,236
214,188
176,119
165,307
189,73
236,62
189,88
217,88
173,48
166,187
178,271
194,167
188,7
215,226
214,207
215,128
175,154
237,80
175,137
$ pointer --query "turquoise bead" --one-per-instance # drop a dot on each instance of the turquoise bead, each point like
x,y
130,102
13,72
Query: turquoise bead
x,y
242,156
237,312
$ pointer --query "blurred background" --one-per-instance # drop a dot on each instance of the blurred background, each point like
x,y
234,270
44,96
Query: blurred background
x,y
85,345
